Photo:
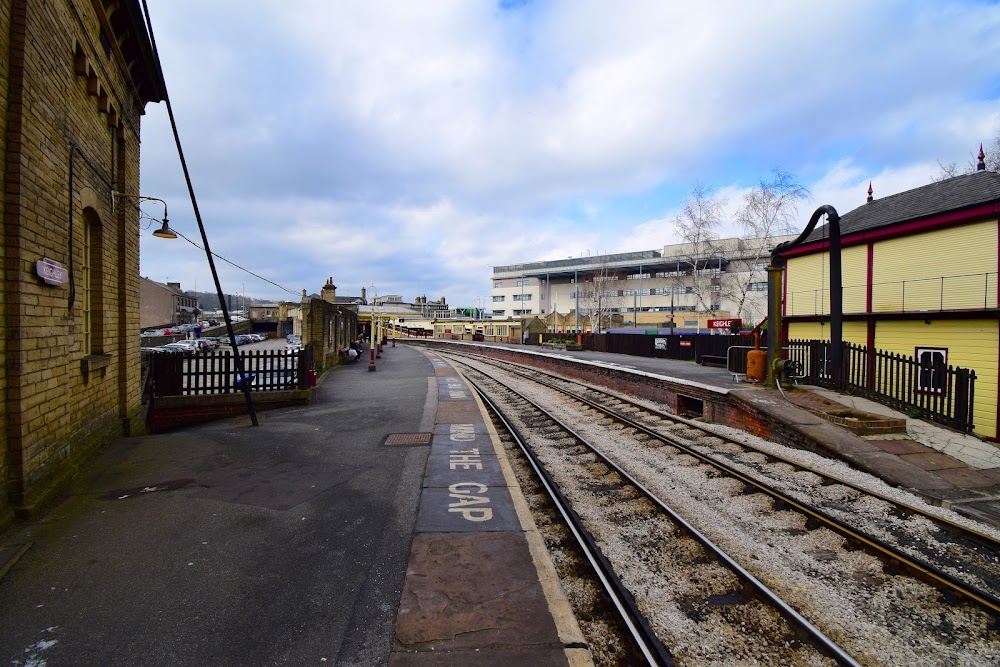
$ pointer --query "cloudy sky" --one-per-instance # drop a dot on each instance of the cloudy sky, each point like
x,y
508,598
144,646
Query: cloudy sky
x,y
414,145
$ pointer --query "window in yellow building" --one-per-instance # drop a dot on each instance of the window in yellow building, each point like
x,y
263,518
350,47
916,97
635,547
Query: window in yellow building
x,y
931,375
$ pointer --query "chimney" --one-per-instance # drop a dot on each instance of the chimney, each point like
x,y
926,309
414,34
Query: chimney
x,y
981,165
329,291
364,295
870,191
176,286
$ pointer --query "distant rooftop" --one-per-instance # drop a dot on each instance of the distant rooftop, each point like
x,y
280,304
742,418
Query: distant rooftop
x,y
535,267
951,194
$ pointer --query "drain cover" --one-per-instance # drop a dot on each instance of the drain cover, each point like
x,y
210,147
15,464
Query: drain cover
x,y
408,439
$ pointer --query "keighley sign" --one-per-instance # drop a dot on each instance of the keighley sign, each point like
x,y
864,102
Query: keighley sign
x,y
51,271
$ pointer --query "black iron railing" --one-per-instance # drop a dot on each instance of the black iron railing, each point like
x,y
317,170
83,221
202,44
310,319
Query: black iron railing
x,y
923,387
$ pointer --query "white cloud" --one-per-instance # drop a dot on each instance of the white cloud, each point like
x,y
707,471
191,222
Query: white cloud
x,y
433,140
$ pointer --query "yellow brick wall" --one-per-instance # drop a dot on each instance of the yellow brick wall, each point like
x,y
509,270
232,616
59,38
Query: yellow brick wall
x,y
5,473
956,270
970,344
58,413
808,280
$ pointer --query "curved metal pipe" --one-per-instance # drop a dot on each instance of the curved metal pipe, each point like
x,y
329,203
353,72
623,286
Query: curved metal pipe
x,y
836,295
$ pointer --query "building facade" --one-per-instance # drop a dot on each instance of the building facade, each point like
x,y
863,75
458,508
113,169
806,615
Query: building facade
x,y
919,273
74,80
162,305
683,287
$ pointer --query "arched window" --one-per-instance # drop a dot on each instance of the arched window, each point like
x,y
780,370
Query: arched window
x,y
92,282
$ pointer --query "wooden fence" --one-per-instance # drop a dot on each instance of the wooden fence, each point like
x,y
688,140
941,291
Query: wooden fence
x,y
174,374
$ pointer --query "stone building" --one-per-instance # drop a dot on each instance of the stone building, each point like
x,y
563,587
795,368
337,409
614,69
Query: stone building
x,y
328,325
74,81
162,305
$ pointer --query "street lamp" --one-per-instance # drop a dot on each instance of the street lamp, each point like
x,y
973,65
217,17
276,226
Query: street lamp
x,y
371,360
164,231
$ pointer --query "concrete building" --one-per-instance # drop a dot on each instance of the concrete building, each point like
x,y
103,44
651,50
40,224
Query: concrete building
x,y
74,80
684,286
162,305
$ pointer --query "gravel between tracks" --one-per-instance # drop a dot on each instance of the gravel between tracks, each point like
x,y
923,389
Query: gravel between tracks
x,y
880,619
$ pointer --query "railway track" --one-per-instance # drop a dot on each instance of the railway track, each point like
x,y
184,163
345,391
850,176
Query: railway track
x,y
765,510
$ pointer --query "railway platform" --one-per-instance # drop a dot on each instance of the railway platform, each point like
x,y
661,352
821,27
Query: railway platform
x,y
379,525
376,526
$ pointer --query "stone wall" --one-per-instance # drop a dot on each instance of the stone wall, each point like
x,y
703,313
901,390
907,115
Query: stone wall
x,y
6,27
71,380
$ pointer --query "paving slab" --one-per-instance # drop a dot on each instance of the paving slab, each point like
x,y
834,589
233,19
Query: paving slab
x,y
469,591
932,461
900,446
967,478
458,412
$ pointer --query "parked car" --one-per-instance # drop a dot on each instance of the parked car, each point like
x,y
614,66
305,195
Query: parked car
x,y
276,375
188,347
168,349
204,344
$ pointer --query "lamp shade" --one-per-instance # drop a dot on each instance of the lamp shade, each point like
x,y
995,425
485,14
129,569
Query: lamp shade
x,y
164,232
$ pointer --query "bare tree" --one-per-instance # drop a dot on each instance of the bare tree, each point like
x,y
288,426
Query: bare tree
x,y
697,226
601,297
952,169
769,210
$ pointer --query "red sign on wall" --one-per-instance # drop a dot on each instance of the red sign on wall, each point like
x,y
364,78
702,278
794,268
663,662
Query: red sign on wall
x,y
725,324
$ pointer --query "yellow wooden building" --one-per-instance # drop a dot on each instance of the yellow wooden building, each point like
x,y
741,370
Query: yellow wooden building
x,y
919,279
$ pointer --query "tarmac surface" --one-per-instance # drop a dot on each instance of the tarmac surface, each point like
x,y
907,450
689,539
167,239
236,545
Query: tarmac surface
x,y
225,544
334,533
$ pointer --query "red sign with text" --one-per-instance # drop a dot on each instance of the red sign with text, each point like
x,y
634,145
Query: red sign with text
x,y
725,324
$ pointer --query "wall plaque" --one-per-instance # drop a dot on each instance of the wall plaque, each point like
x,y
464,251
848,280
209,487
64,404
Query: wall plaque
x,y
51,271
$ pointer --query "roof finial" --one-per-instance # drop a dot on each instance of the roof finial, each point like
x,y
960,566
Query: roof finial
x,y
870,191
981,165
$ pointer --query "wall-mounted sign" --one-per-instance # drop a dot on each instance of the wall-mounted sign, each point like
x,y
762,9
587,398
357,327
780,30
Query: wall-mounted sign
x,y
51,271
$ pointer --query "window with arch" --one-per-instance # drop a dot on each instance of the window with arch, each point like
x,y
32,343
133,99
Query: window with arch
x,y
92,283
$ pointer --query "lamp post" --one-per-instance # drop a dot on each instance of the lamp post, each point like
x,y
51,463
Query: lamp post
x,y
371,360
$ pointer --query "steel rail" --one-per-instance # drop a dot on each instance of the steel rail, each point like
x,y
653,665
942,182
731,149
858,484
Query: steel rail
x,y
966,531
878,547
822,642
